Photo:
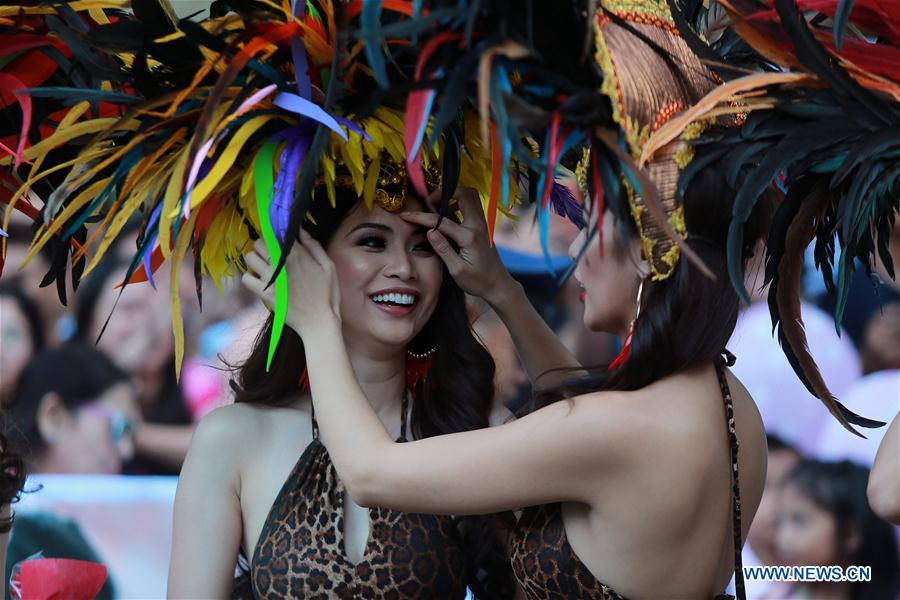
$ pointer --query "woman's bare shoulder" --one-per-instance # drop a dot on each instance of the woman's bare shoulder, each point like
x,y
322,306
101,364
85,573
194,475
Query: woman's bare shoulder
x,y
235,428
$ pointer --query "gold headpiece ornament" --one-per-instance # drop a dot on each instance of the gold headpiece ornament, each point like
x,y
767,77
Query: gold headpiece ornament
x,y
648,86
392,185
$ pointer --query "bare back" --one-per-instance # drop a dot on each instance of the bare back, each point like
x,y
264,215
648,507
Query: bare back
x,y
661,525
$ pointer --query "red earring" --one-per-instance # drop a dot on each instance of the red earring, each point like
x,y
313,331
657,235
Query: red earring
x,y
303,384
418,366
620,359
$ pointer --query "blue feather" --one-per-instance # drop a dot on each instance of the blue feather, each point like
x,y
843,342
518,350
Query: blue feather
x,y
841,16
371,14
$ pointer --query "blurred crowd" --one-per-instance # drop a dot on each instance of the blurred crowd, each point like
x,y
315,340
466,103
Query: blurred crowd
x,y
90,388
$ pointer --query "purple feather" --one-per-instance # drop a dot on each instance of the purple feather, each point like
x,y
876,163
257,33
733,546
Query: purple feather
x,y
564,204
289,166
355,128
148,250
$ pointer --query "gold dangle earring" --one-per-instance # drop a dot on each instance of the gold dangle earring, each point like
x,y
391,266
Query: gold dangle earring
x,y
619,360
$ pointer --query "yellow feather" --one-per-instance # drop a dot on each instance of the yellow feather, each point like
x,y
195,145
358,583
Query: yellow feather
x,y
235,144
121,218
86,195
170,202
61,137
371,181
184,237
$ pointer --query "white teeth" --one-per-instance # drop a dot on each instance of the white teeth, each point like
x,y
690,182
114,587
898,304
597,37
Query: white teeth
x,y
394,298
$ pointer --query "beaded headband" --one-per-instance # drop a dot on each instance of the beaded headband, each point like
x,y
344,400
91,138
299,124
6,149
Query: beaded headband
x,y
392,185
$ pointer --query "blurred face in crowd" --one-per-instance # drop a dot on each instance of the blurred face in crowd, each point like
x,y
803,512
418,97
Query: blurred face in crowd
x,y
30,277
95,438
138,337
609,272
881,344
762,533
16,343
806,533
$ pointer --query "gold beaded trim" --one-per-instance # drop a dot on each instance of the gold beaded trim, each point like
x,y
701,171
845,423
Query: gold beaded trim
x,y
422,355
392,185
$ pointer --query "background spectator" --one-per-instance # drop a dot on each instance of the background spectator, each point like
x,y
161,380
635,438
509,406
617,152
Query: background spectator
x,y
66,417
21,337
136,326
761,538
66,413
825,519
54,318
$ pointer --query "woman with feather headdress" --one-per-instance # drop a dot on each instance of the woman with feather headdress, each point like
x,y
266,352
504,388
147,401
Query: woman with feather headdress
x,y
632,485
249,125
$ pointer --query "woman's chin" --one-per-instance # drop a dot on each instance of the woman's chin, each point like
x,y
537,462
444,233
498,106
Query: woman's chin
x,y
391,337
591,321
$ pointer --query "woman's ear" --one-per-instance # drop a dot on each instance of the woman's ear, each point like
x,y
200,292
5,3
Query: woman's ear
x,y
635,254
52,416
643,266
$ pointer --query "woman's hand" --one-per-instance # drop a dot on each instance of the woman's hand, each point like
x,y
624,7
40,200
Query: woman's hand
x,y
314,296
476,266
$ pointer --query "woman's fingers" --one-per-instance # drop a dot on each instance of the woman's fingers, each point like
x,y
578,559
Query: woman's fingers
x,y
259,265
472,210
456,232
445,251
259,287
315,249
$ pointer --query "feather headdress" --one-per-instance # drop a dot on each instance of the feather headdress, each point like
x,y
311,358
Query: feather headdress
x,y
767,95
218,132
824,125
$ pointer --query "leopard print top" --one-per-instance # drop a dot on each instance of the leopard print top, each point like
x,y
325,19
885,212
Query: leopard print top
x,y
301,554
547,568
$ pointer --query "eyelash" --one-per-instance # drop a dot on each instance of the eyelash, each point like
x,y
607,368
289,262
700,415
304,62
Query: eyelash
x,y
371,241
379,243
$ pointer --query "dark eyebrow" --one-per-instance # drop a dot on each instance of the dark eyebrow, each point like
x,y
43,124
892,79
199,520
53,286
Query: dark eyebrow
x,y
378,226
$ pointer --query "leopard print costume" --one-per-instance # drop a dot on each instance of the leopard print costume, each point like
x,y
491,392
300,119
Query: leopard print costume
x,y
548,569
301,554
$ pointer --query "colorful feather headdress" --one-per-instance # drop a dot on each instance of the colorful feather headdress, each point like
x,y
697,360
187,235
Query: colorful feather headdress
x,y
823,125
213,133
767,95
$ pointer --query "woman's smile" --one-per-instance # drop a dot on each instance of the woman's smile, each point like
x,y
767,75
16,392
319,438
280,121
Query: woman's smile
x,y
397,302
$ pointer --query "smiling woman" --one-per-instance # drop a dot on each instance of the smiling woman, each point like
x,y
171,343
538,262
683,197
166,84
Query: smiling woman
x,y
407,331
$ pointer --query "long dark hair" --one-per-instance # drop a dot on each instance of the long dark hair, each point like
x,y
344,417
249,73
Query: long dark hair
x,y
455,396
12,480
687,319
840,489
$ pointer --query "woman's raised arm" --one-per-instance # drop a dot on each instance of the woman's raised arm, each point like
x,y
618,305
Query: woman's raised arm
x,y
884,479
559,453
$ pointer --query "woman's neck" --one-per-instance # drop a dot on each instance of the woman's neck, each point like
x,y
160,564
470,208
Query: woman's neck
x,y
382,378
